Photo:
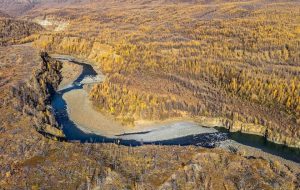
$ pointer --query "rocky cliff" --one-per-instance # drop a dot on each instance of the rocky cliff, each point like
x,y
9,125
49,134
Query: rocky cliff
x,y
249,128
34,96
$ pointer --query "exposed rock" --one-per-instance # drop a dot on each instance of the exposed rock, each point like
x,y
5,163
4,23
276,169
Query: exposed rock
x,y
214,122
34,96
248,128
283,139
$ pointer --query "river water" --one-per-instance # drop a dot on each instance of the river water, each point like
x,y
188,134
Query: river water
x,y
208,139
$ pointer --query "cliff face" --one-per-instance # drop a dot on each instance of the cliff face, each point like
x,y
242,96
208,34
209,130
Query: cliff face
x,y
249,128
34,97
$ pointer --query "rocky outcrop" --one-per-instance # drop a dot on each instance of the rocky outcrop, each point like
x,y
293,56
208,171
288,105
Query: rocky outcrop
x,y
280,138
214,122
34,97
249,128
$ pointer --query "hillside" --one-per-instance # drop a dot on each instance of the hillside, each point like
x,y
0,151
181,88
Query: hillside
x,y
12,30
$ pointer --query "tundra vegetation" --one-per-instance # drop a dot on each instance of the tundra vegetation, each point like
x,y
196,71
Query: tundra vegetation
x,y
163,59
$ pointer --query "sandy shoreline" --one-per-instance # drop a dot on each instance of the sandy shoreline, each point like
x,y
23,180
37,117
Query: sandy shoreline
x,y
70,72
81,111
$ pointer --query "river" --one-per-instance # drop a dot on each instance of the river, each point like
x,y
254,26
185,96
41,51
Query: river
x,y
175,133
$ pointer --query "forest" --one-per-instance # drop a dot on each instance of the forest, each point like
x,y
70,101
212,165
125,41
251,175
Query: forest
x,y
235,60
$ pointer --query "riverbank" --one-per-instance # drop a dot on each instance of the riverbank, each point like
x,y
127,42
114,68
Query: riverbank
x,y
248,128
248,151
81,111
70,73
